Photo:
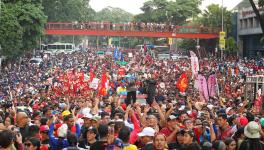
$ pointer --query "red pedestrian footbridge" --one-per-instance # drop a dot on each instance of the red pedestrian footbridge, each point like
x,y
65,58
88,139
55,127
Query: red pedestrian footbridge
x,y
128,30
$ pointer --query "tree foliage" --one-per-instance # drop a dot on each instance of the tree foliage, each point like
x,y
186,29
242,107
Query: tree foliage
x,y
187,44
114,15
68,10
231,45
22,23
173,11
212,17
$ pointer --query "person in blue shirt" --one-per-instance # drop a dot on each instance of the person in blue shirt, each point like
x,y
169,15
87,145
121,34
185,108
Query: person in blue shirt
x,y
60,142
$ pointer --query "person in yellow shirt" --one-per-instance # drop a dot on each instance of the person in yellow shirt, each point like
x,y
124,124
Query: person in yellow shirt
x,y
121,90
124,135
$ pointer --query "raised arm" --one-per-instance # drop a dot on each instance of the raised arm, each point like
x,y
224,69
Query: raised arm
x,y
162,120
133,135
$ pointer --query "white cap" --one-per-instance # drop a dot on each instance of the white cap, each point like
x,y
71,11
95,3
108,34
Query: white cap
x,y
172,117
88,115
182,107
228,109
86,110
210,106
148,131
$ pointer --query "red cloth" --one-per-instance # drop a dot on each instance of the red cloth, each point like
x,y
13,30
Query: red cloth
x,y
242,120
166,131
182,83
225,134
121,71
44,147
102,86
133,135
91,75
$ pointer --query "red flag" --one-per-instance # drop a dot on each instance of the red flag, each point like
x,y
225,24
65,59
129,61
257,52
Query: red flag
x,y
182,83
121,71
91,75
102,85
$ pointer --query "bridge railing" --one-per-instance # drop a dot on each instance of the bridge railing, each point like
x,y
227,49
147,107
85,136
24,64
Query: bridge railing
x,y
107,26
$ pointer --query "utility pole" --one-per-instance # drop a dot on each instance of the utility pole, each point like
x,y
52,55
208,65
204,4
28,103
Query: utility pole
x,y
222,15
222,27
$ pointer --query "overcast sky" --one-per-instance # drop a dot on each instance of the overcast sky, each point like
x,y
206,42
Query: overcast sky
x,y
133,6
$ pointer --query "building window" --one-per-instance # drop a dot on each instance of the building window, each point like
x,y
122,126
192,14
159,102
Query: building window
x,y
250,23
244,23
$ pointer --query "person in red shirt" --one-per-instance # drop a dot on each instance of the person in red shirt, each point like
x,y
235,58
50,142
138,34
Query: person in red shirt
x,y
171,129
225,130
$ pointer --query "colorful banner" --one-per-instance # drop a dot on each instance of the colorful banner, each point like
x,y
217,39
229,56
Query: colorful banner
x,y
222,41
212,85
194,65
258,103
116,54
110,41
192,54
182,83
204,96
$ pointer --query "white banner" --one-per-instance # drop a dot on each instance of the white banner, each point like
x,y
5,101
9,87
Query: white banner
x,y
130,55
94,84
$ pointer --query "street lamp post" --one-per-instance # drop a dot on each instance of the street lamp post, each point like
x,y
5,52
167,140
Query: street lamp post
x,y
222,27
222,15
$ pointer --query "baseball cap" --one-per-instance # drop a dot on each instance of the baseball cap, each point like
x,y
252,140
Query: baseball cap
x,y
44,128
181,132
171,117
228,109
93,129
148,131
65,113
96,118
190,132
88,115
210,106
35,107
242,120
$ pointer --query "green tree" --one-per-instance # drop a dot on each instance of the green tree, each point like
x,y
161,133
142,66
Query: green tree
x,y
187,44
174,11
68,10
22,20
32,20
10,33
212,17
114,15
258,15
231,45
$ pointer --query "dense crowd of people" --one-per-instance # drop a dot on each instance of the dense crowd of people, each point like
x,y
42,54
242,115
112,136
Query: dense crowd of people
x,y
86,101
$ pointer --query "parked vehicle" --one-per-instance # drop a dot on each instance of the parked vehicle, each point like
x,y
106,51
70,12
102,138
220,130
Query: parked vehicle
x,y
36,61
